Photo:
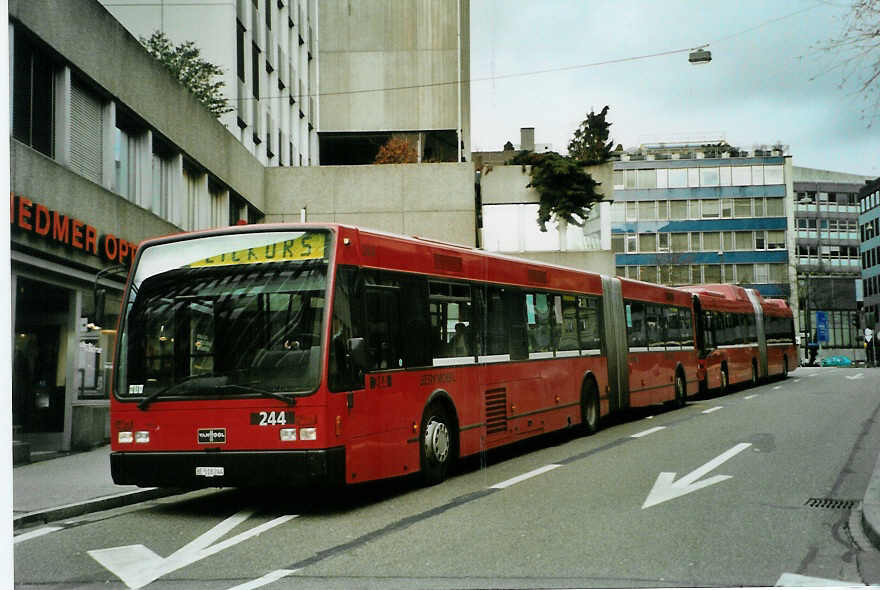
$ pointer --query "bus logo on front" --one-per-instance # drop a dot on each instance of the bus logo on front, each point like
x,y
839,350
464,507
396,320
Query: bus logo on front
x,y
209,436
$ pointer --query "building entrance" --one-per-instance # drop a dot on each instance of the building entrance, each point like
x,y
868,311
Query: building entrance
x,y
39,374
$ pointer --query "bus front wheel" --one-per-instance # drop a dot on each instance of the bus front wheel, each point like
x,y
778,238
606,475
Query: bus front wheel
x,y
437,445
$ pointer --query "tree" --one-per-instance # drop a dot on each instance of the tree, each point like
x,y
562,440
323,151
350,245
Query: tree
x,y
185,63
859,49
396,150
590,143
566,190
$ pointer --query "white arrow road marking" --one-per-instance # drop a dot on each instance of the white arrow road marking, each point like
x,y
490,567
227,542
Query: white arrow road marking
x,y
647,432
267,579
790,580
524,476
665,488
36,533
856,376
137,565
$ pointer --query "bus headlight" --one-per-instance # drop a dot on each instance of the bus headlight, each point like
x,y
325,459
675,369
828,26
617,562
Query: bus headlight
x,y
124,437
308,433
142,436
287,434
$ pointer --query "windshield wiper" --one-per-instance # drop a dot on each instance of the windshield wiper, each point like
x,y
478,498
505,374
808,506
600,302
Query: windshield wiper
x,y
144,403
251,389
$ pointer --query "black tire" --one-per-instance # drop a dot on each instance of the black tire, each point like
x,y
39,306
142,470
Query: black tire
x,y
437,444
680,390
590,408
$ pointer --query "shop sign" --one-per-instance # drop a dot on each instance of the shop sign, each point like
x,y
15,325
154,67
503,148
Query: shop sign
x,y
68,231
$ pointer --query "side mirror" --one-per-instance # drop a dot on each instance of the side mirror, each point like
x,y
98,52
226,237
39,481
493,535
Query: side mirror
x,y
100,299
360,356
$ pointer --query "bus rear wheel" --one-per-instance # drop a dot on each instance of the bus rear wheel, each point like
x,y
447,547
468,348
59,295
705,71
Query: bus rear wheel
x,y
437,444
680,391
590,407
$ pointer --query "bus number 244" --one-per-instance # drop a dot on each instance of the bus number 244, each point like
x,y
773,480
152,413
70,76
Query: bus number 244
x,y
270,418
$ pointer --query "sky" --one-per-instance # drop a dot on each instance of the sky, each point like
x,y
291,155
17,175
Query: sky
x,y
769,80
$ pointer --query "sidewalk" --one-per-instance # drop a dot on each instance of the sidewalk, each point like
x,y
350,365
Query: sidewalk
x,y
71,485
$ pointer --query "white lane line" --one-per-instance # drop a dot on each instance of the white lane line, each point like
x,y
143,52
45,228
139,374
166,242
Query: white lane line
x,y
794,580
710,410
36,533
524,476
647,432
796,380
856,376
754,395
267,579
777,387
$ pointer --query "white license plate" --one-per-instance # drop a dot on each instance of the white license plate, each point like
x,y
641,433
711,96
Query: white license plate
x,y
209,471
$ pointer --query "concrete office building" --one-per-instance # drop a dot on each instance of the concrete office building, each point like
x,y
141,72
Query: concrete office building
x,y
828,261
107,149
705,212
399,69
869,233
268,51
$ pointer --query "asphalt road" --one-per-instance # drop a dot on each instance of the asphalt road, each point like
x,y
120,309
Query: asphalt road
x,y
753,501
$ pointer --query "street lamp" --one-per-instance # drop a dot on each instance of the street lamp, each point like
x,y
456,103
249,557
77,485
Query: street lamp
x,y
700,55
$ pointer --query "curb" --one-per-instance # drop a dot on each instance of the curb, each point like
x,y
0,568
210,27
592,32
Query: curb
x,y
96,505
871,507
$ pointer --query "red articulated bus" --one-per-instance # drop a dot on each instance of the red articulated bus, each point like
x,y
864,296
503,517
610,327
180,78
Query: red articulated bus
x,y
324,353
742,337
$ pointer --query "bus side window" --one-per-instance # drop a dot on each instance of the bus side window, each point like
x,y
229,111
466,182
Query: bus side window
x,y
654,323
673,327
636,331
590,322
414,327
539,322
685,317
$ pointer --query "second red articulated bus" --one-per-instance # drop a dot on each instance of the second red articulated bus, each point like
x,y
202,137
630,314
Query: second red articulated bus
x,y
302,354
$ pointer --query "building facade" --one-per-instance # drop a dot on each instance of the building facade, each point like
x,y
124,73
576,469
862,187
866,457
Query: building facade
x,y
106,150
394,69
828,260
869,250
268,50
705,213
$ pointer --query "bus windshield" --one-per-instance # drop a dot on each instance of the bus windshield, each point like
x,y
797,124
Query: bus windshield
x,y
225,316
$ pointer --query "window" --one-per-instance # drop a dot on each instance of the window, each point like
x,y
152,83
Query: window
x,y
694,209
776,239
255,70
693,177
773,175
742,207
632,211
775,207
709,177
762,273
663,242
635,324
655,326
727,208
647,210
712,241
757,175
662,178
678,178
680,242
760,241
450,313
647,242
33,108
617,243
647,179
741,175
678,210
759,207
631,243
724,176
744,240
539,324
239,49
589,314
565,325
711,208
745,273
648,274
712,273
